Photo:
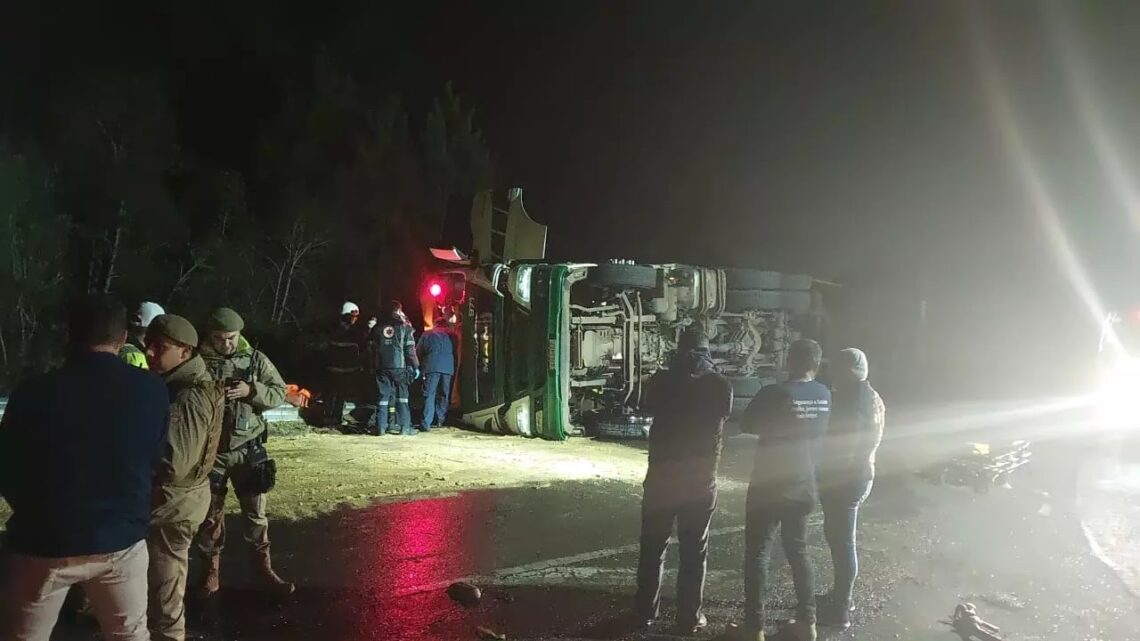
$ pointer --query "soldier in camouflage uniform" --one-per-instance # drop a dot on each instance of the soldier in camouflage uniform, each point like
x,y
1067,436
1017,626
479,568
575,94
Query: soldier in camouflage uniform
x,y
252,387
134,350
181,496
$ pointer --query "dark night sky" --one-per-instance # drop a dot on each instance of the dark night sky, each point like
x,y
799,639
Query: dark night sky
x,y
850,139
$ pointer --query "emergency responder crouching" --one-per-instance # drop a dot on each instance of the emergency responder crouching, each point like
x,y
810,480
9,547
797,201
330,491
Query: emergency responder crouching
x,y
181,495
134,351
252,385
393,352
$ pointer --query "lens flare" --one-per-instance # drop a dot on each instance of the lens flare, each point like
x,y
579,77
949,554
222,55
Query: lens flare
x,y
1042,204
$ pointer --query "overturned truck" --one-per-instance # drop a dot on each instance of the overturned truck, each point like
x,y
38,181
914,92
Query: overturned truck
x,y
553,350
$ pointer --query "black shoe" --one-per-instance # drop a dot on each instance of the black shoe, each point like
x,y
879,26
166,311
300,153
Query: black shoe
x,y
690,629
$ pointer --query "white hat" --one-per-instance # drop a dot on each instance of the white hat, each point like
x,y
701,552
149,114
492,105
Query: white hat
x,y
147,312
855,361
349,307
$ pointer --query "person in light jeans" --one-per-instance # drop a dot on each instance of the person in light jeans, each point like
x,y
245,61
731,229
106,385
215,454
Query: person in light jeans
x,y
114,583
78,449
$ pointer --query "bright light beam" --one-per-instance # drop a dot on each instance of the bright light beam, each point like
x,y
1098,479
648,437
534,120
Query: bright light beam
x,y
1076,74
1041,202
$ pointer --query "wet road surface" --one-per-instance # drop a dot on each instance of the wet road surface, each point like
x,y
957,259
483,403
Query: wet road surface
x,y
556,560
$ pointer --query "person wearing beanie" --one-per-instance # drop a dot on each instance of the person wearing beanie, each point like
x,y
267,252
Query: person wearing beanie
x,y
846,473
790,419
689,403
134,351
181,495
252,386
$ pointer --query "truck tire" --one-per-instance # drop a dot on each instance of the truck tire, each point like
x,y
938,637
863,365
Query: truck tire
x,y
800,282
624,276
743,300
739,278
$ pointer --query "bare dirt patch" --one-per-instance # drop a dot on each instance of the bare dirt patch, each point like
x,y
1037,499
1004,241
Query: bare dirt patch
x,y
319,472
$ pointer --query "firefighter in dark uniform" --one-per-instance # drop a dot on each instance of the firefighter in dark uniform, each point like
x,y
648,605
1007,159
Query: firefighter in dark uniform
x,y
344,364
392,347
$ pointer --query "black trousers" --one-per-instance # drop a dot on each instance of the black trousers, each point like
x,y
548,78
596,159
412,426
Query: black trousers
x,y
659,511
765,516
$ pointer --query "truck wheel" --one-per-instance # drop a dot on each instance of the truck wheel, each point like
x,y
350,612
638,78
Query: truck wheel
x,y
738,278
624,276
743,300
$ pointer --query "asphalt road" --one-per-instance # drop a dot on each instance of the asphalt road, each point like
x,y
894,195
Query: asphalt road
x,y
555,560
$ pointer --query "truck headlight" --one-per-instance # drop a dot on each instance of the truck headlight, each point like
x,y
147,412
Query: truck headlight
x,y
1116,398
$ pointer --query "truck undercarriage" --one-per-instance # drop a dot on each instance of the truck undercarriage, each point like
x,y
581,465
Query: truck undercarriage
x,y
625,320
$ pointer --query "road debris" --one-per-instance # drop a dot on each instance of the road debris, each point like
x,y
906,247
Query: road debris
x,y
489,634
465,594
970,627
985,465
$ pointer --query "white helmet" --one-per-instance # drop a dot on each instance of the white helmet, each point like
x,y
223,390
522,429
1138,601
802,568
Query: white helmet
x,y
147,312
349,307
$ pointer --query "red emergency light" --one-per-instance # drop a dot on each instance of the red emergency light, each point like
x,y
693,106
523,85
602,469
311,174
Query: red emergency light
x,y
435,289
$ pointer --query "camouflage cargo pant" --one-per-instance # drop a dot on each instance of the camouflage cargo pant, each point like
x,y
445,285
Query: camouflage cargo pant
x,y
231,468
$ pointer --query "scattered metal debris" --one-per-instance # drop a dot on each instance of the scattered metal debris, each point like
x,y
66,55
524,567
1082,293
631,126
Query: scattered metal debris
x,y
970,627
986,465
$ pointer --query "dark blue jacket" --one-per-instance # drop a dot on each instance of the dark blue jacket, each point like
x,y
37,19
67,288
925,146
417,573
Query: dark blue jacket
x,y
437,352
392,345
791,419
78,449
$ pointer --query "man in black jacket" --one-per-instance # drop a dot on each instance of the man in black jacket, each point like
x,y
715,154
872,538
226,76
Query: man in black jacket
x,y
78,450
846,473
689,403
